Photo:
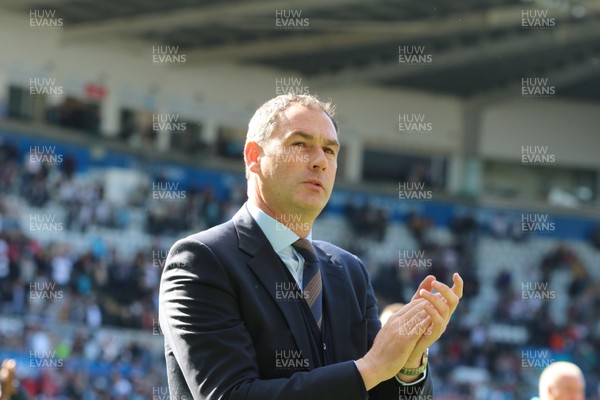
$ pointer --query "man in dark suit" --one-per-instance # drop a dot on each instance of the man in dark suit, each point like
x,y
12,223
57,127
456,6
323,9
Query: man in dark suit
x,y
255,309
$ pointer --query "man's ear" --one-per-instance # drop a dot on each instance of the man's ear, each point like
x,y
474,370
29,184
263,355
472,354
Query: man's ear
x,y
252,153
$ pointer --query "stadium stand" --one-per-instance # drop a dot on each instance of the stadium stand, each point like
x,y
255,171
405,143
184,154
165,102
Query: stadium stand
x,y
69,254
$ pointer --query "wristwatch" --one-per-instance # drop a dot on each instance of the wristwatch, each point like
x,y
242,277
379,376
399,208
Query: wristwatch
x,y
420,369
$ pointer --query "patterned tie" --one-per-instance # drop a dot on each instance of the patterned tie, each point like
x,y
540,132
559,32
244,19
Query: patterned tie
x,y
311,279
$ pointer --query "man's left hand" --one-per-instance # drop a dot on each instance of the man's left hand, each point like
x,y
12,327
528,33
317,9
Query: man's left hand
x,y
440,308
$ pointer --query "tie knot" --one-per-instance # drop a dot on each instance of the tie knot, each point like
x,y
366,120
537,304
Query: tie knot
x,y
306,250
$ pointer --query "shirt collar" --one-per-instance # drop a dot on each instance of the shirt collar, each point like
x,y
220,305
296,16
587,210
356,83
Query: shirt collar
x,y
279,236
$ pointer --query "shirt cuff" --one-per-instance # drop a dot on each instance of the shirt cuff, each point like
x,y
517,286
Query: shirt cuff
x,y
421,379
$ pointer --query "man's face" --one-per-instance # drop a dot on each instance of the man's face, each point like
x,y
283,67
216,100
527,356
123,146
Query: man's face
x,y
567,388
299,162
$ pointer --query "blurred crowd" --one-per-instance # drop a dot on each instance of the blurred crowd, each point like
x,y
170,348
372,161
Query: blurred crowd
x,y
367,221
52,285
501,354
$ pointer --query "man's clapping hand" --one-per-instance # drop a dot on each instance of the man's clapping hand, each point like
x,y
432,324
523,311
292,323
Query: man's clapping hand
x,y
440,307
402,341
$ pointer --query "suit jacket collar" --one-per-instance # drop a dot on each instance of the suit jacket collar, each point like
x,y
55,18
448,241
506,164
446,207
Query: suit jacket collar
x,y
251,238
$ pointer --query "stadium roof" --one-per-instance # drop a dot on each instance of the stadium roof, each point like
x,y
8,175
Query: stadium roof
x,y
473,48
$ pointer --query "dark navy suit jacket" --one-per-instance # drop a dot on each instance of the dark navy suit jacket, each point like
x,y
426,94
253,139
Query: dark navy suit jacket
x,y
231,331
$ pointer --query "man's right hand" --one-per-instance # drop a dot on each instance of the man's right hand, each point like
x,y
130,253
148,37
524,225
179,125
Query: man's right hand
x,y
394,343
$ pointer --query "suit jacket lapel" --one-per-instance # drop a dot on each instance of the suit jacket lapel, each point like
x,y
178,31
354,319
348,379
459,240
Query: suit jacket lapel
x,y
334,303
268,268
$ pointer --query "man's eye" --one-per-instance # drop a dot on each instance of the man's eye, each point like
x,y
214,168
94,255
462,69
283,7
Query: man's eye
x,y
302,144
330,151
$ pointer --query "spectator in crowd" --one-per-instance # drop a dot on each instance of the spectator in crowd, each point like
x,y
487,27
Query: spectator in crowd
x,y
499,226
387,282
562,381
419,226
367,221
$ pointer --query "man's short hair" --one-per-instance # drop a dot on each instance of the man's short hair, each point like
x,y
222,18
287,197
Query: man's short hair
x,y
266,119
552,374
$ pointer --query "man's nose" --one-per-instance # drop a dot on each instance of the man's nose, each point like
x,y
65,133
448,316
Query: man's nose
x,y
319,160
